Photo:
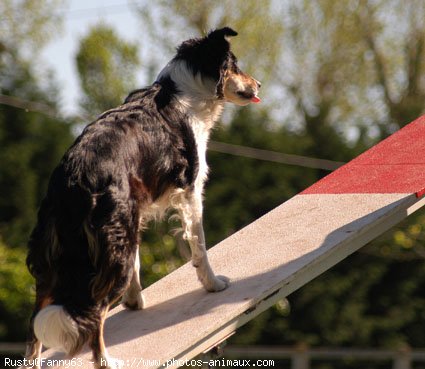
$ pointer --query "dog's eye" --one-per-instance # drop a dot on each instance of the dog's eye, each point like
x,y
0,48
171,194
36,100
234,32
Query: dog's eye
x,y
245,94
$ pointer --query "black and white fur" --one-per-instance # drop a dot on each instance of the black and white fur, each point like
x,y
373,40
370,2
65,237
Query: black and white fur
x,y
127,167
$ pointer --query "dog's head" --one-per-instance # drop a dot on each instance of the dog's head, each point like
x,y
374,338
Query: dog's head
x,y
210,57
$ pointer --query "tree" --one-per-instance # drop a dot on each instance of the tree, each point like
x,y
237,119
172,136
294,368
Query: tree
x,y
107,67
29,24
361,69
31,145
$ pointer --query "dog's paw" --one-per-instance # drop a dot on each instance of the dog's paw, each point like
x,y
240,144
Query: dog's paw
x,y
219,283
134,302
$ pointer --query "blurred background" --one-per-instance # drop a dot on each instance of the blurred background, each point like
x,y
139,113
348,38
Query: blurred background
x,y
337,77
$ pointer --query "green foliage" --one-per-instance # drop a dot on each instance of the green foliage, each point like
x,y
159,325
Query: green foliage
x,y
31,143
351,59
160,252
107,66
15,293
410,237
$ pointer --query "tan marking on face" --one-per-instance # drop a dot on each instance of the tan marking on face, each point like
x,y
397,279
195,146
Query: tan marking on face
x,y
239,88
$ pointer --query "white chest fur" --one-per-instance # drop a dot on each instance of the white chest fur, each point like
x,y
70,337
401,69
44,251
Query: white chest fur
x,y
201,137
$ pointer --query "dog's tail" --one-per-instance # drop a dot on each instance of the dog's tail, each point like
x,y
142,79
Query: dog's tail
x,y
55,328
65,316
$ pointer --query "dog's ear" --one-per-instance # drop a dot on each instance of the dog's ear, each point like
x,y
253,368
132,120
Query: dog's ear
x,y
220,38
219,88
222,33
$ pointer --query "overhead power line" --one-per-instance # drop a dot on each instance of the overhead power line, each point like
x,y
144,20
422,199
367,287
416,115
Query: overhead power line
x,y
27,105
221,147
274,156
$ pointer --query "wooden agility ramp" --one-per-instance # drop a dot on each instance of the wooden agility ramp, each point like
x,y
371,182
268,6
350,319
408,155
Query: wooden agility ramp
x,y
273,256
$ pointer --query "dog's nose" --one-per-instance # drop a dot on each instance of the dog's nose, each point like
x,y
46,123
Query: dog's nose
x,y
258,83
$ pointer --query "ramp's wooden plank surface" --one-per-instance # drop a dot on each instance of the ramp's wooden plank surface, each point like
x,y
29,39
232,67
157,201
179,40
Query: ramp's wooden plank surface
x,y
269,258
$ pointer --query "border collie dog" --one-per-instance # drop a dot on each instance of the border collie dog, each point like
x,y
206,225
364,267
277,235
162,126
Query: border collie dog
x,y
126,168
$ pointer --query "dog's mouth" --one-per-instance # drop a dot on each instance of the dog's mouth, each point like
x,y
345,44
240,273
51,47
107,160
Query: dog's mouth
x,y
249,95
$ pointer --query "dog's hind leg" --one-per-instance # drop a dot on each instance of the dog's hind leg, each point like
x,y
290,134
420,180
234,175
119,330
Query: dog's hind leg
x,y
133,297
189,205
117,265
100,355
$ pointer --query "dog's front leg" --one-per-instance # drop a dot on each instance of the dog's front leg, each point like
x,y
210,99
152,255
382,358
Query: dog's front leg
x,y
190,209
133,297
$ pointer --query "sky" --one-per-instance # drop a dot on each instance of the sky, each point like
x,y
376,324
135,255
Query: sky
x,y
79,16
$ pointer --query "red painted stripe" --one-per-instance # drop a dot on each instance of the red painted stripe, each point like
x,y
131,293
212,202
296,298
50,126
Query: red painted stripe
x,y
395,165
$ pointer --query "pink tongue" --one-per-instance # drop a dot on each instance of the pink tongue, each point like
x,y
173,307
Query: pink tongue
x,y
255,99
